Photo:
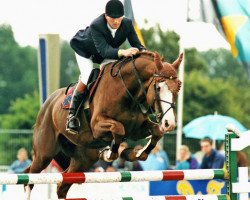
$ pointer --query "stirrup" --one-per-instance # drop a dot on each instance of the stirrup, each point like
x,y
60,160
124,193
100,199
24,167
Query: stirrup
x,y
72,131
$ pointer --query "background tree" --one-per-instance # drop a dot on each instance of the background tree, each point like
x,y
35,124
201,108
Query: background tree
x,y
164,42
22,115
203,95
222,65
69,72
22,112
195,61
18,68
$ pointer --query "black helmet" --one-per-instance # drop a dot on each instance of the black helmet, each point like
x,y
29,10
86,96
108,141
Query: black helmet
x,y
114,9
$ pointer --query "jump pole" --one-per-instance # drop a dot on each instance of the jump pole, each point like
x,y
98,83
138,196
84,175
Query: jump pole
x,y
111,177
177,197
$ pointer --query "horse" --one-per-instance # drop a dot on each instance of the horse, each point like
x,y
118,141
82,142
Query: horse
x,y
135,98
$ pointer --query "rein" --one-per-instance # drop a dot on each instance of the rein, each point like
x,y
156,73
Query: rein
x,y
146,109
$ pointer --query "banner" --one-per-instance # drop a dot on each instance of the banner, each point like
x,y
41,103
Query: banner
x,y
130,14
232,20
234,16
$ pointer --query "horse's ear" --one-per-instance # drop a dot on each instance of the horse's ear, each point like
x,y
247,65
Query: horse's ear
x,y
158,61
177,62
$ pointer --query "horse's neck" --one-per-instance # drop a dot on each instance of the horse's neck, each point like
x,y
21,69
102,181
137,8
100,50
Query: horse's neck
x,y
145,67
141,76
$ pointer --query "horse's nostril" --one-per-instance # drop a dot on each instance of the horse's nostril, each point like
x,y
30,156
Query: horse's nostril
x,y
166,123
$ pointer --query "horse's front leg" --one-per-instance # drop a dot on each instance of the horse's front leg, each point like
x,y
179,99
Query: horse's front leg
x,y
157,134
104,126
142,154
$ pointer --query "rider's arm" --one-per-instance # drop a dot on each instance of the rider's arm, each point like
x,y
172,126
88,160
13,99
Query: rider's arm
x,y
133,38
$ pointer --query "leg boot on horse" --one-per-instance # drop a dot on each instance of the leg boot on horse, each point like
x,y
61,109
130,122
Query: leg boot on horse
x,y
79,95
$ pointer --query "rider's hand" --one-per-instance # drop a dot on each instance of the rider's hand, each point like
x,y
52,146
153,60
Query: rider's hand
x,y
128,52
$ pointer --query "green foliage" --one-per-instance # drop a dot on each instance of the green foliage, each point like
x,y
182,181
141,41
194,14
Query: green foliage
x,y
6,36
10,143
222,65
241,91
22,113
69,69
165,43
194,61
18,69
204,95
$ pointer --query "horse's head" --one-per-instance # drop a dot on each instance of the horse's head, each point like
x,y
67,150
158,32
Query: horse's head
x,y
168,86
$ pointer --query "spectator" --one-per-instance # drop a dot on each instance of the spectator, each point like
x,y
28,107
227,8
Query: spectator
x,y
101,166
110,169
22,162
185,160
212,159
157,160
241,159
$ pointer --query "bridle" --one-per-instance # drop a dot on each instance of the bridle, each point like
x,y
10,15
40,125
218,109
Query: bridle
x,y
157,100
155,116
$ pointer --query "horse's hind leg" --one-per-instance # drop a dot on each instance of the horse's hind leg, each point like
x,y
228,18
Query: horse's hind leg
x,y
38,164
45,147
82,162
62,160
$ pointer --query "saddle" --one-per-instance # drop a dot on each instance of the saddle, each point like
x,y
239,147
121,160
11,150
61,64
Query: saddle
x,y
93,81
92,84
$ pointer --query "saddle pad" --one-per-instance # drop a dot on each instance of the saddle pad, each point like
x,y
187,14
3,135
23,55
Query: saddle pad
x,y
67,99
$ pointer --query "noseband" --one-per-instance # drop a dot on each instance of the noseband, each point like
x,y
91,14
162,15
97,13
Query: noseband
x,y
153,116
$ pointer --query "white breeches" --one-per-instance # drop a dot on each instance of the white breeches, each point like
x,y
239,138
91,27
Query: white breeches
x,y
86,65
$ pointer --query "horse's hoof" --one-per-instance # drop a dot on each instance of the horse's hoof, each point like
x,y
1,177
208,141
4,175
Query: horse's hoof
x,y
113,156
107,155
143,156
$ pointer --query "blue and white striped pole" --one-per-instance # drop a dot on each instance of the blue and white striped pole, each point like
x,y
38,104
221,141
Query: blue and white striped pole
x,y
48,64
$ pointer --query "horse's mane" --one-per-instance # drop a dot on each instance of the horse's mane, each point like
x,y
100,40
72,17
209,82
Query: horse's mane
x,y
149,54
143,54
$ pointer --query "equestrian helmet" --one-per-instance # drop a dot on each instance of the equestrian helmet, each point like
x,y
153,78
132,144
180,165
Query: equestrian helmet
x,y
114,9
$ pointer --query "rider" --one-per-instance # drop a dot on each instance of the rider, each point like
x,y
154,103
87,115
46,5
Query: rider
x,y
99,43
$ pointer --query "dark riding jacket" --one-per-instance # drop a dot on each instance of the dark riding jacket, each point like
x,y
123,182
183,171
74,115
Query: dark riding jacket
x,y
97,43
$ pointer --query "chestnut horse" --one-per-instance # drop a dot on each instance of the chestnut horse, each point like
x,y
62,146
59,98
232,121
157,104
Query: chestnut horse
x,y
130,91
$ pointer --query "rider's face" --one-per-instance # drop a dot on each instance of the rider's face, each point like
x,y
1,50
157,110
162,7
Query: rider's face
x,y
114,22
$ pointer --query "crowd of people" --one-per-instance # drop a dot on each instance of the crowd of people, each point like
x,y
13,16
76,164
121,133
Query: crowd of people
x,y
207,158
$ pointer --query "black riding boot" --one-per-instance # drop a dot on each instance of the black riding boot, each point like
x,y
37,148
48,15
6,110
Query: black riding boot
x,y
73,123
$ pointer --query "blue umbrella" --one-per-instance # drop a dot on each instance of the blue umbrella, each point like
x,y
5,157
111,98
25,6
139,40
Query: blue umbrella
x,y
213,126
